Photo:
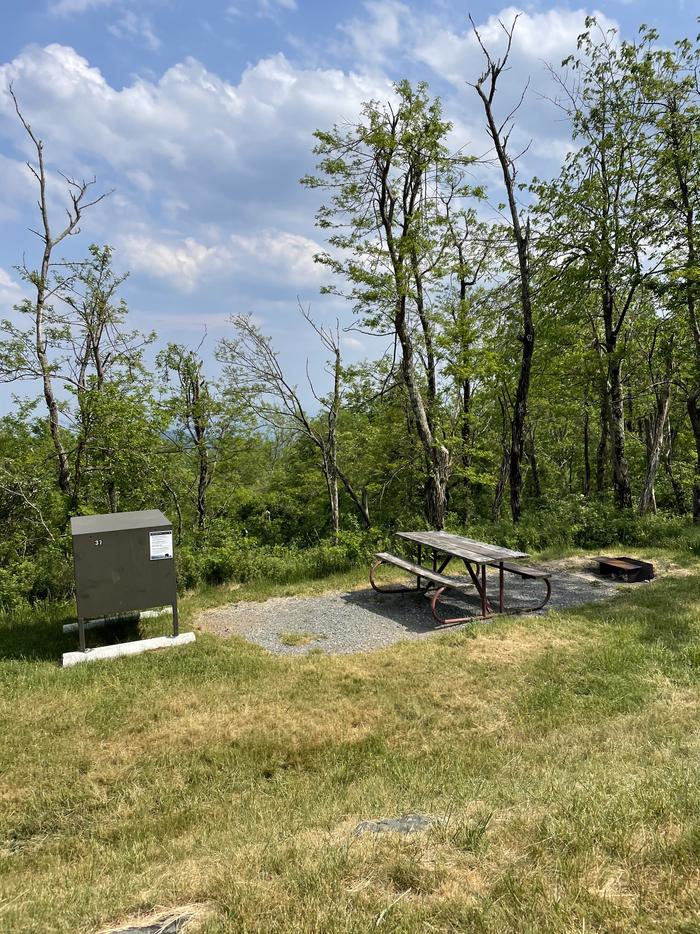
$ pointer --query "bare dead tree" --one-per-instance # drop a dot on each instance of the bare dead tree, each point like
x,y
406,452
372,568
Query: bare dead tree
x,y
44,290
499,133
251,360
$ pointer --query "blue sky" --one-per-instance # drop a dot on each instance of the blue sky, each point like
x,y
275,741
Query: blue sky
x,y
200,115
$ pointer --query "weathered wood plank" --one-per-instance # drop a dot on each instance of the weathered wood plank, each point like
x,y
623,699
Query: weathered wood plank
x,y
420,571
467,548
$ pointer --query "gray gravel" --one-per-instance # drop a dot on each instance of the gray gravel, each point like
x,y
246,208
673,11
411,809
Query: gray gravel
x,y
363,620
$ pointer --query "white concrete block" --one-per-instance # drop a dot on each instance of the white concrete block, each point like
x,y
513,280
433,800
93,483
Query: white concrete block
x,y
126,648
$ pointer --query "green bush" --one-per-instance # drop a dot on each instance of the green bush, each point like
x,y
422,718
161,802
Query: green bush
x,y
244,558
576,523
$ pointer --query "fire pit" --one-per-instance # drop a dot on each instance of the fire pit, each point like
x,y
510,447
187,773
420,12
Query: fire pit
x,y
629,570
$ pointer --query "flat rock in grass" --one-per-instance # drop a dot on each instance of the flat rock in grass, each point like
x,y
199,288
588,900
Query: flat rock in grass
x,y
169,925
409,823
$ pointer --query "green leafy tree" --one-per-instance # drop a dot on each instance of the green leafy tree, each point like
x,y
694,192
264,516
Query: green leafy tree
x,y
600,210
389,175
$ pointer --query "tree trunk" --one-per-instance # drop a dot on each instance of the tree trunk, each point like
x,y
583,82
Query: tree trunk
x,y
602,449
586,457
436,488
466,433
332,481
112,495
202,485
687,200
657,430
437,456
361,502
500,486
520,414
42,357
534,471
694,413
178,509
522,243
678,491
41,283
620,470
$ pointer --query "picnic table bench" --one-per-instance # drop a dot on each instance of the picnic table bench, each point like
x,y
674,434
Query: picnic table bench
x,y
475,555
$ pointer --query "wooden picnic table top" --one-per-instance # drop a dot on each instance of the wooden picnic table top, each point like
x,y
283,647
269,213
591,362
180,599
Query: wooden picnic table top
x,y
461,547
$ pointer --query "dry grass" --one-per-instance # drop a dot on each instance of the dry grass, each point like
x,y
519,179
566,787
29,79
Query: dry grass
x,y
559,753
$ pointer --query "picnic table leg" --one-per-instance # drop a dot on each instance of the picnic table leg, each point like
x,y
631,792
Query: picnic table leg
x,y
485,608
480,585
420,555
500,587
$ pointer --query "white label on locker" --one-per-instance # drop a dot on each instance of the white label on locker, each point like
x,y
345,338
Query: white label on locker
x,y
161,545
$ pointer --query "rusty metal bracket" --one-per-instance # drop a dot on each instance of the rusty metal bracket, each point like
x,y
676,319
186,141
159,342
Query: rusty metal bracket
x,y
452,621
531,609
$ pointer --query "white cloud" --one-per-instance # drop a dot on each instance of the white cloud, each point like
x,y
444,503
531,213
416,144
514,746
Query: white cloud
x,y
279,256
380,32
190,120
190,148
539,37
70,7
181,264
17,186
264,8
352,342
138,29
10,291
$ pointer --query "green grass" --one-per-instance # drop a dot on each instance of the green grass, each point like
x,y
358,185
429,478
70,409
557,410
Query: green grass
x,y
295,638
560,752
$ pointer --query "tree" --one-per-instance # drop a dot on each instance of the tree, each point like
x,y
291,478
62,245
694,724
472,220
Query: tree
x,y
192,410
94,354
251,361
600,211
670,81
499,133
26,353
387,174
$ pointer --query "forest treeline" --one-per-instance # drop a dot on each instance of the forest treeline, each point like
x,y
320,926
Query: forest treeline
x,y
541,381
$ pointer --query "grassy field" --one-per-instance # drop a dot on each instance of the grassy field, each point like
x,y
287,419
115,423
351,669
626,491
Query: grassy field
x,y
561,754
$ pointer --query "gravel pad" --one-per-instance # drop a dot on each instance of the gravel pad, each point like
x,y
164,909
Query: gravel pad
x,y
363,620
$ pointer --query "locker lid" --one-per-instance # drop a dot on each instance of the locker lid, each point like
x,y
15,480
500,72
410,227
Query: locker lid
x,y
118,522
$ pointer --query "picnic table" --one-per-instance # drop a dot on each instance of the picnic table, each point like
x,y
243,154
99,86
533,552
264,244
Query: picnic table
x,y
476,556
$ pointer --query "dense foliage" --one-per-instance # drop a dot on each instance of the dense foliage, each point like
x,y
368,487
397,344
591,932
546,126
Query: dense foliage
x,y
549,358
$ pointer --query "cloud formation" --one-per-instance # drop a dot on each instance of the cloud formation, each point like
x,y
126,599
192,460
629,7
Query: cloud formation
x,y
137,29
201,154
280,258
206,168
265,8
71,7
10,292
